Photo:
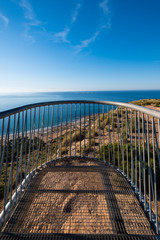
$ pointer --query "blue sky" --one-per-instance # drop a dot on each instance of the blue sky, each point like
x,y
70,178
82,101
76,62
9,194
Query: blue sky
x,y
76,45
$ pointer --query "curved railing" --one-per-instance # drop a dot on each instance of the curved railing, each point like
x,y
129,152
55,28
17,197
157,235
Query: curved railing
x,y
124,135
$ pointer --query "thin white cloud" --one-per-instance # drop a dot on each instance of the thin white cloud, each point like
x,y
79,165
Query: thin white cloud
x,y
28,12
30,16
85,43
62,36
75,13
104,6
4,19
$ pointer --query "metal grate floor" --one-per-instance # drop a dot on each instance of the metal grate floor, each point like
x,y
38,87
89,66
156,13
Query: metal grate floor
x,y
78,199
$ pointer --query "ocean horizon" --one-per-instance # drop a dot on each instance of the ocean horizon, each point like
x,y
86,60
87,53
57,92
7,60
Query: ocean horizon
x,y
13,100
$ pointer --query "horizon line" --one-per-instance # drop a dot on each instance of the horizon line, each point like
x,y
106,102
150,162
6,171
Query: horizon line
x,y
65,91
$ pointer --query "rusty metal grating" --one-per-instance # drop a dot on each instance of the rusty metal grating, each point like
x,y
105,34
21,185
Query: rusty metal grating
x,y
78,199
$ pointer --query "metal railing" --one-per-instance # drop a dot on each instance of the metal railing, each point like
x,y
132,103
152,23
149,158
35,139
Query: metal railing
x,y
124,135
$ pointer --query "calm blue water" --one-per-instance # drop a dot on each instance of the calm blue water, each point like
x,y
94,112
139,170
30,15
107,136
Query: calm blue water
x,y
11,101
8,101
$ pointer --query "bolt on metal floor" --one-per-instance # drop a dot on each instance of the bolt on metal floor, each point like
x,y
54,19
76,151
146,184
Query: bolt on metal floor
x,y
78,199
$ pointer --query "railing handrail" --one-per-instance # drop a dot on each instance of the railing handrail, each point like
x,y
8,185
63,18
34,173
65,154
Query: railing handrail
x,y
148,111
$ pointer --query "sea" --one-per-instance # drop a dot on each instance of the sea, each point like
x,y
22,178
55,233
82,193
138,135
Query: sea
x,y
10,101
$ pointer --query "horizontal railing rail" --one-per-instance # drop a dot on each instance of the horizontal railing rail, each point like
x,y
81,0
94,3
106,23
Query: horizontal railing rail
x,y
145,110
121,134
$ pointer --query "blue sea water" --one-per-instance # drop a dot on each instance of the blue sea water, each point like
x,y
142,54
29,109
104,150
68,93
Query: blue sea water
x,y
9,101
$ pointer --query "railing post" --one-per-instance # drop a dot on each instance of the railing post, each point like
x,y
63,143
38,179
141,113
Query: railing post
x,y
57,133
132,164
46,154
99,130
118,130
84,129
149,181
136,150
13,144
122,140
70,127
61,131
155,183
38,141
94,127
17,153
103,138
51,139
6,170
140,166
144,164
42,134
113,135
66,128
75,127
89,131
109,144
80,131
127,143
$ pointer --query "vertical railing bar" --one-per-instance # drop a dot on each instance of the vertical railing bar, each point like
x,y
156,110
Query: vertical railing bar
x,y
149,166
25,146
129,132
30,141
132,164
5,184
70,128
84,129
21,153
122,140
144,165
149,181
75,126
33,133
89,131
66,127
80,130
109,145
94,127
127,143
159,131
47,137
57,133
118,133
99,130
38,142
51,137
113,135
11,168
13,144
136,151
140,165
154,169
61,131
1,152
4,148
120,136
17,154
103,138
29,155
157,147
42,133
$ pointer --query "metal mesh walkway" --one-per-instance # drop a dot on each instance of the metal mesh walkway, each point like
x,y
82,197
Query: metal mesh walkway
x,y
78,199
